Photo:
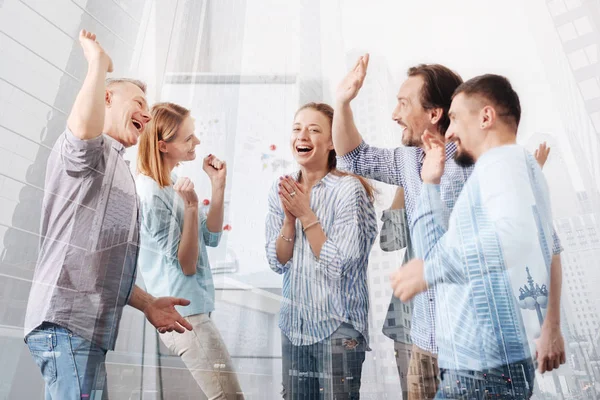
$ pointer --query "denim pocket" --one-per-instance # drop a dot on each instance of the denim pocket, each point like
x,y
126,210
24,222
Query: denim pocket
x,y
41,347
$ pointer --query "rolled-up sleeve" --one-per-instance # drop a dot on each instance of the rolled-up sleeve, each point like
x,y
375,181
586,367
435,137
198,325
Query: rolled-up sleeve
x,y
383,165
273,225
211,239
353,232
556,244
81,156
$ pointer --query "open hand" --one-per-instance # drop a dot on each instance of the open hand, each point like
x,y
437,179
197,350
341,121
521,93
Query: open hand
x,y
94,53
349,87
435,158
541,154
162,314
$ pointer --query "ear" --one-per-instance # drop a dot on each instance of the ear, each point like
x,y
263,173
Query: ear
x,y
487,117
435,115
108,98
162,146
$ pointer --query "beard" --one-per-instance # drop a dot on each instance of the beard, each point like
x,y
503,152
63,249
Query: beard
x,y
464,159
409,141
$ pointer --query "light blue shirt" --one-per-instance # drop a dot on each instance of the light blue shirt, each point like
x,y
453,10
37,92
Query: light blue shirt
x,y
160,233
319,294
477,258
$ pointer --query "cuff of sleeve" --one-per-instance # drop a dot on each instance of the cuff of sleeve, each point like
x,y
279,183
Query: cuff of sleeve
x,y
557,250
80,144
272,257
213,238
429,274
346,162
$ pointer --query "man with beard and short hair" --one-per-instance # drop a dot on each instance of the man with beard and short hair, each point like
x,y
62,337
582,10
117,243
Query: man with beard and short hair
x,y
477,256
423,102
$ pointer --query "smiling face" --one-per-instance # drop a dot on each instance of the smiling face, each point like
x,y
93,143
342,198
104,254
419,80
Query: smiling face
x,y
409,112
127,112
311,140
182,146
465,131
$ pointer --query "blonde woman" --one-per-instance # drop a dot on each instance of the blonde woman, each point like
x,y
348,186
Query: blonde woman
x,y
174,236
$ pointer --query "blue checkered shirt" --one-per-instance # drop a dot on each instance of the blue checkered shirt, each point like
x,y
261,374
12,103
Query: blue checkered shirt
x,y
402,167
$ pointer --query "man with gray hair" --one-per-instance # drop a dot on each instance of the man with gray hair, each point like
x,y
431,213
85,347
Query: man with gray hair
x,y
85,272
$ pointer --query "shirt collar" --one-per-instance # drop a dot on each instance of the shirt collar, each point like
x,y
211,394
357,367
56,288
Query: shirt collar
x,y
115,144
328,180
450,151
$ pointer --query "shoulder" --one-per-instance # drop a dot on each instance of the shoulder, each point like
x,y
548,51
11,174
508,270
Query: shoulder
x,y
507,160
348,185
148,189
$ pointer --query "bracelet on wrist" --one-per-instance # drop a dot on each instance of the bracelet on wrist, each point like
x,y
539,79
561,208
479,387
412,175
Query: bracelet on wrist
x,y
311,225
289,240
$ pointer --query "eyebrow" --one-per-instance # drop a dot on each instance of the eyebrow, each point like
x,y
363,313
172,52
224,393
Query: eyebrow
x,y
298,123
143,101
402,98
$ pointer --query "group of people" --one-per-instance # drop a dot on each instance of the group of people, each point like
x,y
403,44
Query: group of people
x,y
472,209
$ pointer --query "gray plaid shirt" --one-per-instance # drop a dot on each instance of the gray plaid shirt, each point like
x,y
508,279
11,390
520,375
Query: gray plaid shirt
x,y
89,240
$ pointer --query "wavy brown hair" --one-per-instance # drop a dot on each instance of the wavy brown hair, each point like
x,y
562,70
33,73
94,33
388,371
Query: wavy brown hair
x,y
165,122
327,111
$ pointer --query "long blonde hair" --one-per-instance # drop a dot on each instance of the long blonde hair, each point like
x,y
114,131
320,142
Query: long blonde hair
x,y
166,120
327,111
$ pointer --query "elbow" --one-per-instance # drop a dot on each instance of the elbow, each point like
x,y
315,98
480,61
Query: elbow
x,y
277,267
188,267
189,271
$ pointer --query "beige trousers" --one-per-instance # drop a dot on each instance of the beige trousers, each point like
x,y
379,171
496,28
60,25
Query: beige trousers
x,y
204,353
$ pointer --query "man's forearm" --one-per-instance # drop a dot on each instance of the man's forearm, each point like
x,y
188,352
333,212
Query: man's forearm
x,y
345,134
553,313
140,299
398,202
86,120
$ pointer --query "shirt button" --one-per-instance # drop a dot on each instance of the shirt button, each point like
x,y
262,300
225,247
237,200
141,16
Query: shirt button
x,y
430,299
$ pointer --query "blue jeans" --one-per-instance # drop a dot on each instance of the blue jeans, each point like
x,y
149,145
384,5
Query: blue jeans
x,y
509,382
72,367
330,369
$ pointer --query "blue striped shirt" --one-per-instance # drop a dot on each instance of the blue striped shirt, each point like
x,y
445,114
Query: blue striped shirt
x,y
321,294
478,256
402,167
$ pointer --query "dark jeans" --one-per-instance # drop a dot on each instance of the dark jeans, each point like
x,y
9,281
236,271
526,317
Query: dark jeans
x,y
330,369
508,382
